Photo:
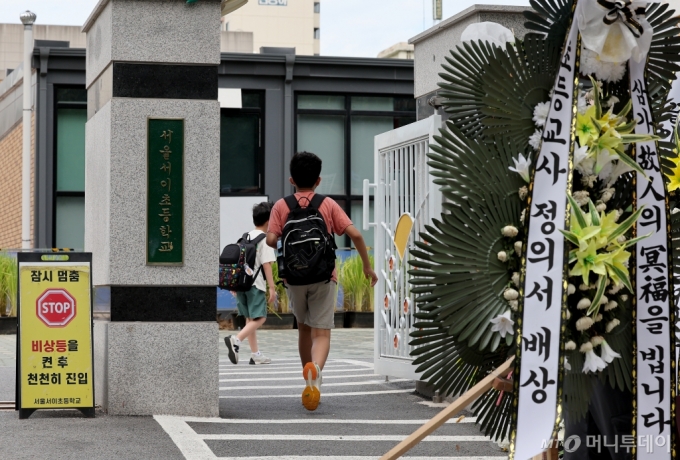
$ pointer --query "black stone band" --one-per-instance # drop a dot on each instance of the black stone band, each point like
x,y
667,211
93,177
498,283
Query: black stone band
x,y
165,81
163,303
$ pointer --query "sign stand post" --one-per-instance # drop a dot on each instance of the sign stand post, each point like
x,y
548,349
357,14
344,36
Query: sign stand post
x,y
55,359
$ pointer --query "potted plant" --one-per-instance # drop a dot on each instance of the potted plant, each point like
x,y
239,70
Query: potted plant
x,y
8,293
280,316
357,293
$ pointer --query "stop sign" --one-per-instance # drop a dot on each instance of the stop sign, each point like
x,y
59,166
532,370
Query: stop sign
x,y
56,307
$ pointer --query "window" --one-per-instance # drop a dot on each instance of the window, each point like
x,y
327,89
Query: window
x,y
71,113
242,147
340,129
317,33
317,7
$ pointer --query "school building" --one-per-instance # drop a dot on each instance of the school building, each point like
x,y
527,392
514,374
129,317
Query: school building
x,y
273,104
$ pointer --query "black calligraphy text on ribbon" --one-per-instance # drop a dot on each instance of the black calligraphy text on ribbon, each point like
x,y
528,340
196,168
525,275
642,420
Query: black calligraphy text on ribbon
x,y
621,9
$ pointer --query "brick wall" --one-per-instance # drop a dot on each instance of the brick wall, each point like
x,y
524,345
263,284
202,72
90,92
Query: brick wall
x,y
10,185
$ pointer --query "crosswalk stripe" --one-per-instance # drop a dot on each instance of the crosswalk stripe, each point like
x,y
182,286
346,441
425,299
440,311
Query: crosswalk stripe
x,y
299,371
323,395
190,445
296,378
334,437
357,457
327,421
342,384
264,368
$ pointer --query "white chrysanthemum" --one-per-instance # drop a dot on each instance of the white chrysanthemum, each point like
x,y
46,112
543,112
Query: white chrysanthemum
x,y
510,294
568,314
523,192
581,197
624,297
583,303
571,289
607,71
584,323
567,366
607,194
502,256
518,248
610,305
604,300
514,304
612,324
509,231
582,103
596,340
583,287
535,139
541,113
522,217
586,347
515,278
613,100
570,345
601,207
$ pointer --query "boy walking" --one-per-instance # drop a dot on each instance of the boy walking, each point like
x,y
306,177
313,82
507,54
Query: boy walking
x,y
313,303
253,304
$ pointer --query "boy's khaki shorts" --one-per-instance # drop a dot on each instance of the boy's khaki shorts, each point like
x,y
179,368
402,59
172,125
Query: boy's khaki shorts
x,y
314,304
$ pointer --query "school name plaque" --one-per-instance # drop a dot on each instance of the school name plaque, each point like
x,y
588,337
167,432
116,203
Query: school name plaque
x,y
165,192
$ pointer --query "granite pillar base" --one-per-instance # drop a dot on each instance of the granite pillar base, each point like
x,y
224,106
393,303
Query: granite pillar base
x,y
153,368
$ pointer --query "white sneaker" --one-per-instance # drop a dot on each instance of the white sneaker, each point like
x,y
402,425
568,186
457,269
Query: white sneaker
x,y
261,359
232,347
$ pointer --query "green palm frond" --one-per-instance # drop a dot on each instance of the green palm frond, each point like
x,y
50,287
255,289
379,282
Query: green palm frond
x,y
493,411
664,52
492,92
550,17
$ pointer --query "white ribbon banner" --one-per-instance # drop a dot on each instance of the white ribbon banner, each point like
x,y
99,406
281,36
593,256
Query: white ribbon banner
x,y
653,329
539,350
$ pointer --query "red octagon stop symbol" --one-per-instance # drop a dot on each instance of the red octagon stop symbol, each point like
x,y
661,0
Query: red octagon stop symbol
x,y
56,307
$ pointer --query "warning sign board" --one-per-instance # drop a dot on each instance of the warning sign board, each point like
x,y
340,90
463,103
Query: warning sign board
x,y
55,356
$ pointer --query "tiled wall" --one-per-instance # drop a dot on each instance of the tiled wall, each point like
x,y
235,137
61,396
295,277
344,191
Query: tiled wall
x,y
10,186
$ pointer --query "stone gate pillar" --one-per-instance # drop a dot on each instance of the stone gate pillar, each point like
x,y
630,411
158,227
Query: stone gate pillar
x,y
152,203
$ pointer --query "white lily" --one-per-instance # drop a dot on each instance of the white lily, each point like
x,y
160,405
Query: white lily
x,y
567,366
593,363
603,167
619,169
503,324
608,355
521,167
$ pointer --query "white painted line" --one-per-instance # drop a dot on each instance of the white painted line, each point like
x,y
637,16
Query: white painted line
x,y
323,395
264,368
328,421
335,437
338,457
299,371
297,378
357,362
343,384
186,440
226,360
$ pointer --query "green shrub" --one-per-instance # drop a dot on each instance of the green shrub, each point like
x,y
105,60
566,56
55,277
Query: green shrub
x,y
357,290
8,284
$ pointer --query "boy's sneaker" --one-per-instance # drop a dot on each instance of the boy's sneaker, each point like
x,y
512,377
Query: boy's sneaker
x,y
259,359
311,395
232,347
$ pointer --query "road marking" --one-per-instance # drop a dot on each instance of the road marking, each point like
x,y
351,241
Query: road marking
x,y
330,421
343,384
297,378
323,395
299,371
338,457
356,362
186,440
264,368
333,437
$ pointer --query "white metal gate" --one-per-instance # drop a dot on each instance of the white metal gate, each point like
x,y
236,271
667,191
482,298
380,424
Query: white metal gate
x,y
402,185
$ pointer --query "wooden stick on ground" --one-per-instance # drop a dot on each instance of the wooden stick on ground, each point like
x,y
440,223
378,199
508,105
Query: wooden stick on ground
x,y
451,410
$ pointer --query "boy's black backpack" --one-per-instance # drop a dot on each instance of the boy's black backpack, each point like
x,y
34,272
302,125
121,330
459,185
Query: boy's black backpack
x,y
308,250
237,262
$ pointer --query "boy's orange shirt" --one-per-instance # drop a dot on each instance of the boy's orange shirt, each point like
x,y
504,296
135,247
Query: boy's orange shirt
x,y
335,217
